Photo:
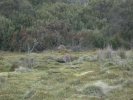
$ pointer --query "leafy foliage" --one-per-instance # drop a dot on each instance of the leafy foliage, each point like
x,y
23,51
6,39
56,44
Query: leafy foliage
x,y
88,23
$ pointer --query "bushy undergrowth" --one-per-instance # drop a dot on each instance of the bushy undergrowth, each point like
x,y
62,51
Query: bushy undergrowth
x,y
77,23
120,59
93,91
107,53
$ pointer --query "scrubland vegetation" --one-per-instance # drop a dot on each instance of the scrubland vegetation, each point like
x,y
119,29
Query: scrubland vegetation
x,y
92,75
83,23
66,50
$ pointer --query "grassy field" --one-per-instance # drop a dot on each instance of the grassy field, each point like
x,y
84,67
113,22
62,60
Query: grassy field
x,y
86,78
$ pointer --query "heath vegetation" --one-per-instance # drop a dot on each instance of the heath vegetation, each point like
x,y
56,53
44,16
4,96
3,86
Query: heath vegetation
x,y
66,49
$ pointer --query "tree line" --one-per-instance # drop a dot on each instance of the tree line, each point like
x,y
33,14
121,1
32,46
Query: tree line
x,y
84,23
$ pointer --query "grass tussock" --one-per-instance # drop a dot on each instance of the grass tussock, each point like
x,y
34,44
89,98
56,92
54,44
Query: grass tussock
x,y
88,79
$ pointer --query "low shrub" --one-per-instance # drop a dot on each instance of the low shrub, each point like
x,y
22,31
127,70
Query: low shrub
x,y
106,53
93,91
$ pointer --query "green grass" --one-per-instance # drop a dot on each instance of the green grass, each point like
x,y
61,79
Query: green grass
x,y
51,80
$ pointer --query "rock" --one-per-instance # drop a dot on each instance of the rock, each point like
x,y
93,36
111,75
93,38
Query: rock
x,y
61,47
66,58
60,60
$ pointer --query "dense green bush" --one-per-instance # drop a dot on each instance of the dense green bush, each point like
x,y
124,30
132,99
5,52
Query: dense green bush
x,y
6,28
55,22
